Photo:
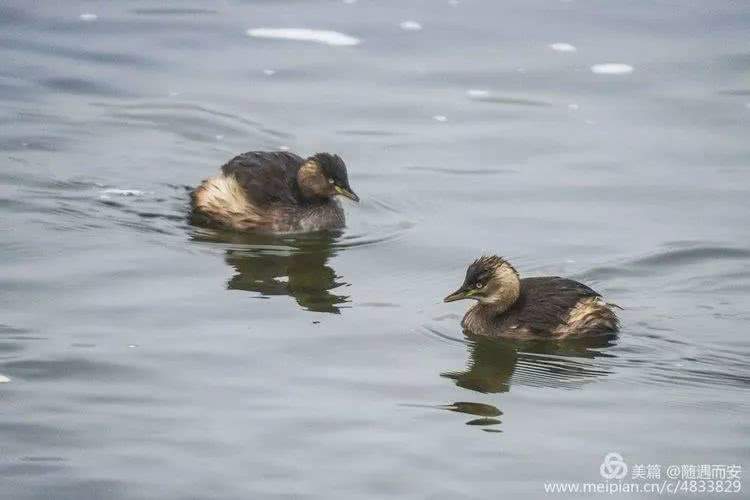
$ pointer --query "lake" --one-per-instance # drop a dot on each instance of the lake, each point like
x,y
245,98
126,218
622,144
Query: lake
x,y
146,358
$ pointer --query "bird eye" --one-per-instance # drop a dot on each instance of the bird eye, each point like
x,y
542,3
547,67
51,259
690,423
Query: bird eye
x,y
479,284
330,181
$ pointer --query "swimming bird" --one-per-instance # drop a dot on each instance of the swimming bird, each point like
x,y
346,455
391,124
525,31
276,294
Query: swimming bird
x,y
530,308
274,192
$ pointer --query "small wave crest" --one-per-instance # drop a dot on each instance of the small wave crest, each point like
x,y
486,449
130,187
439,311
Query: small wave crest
x,y
325,37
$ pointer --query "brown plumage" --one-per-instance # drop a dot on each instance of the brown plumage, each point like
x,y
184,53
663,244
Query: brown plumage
x,y
275,192
529,308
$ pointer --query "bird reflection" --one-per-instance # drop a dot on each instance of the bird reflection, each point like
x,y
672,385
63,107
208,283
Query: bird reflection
x,y
495,364
293,265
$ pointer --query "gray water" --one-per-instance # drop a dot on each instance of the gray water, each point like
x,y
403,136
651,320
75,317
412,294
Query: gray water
x,y
150,359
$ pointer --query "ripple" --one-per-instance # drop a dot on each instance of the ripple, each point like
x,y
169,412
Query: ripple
x,y
82,86
44,143
481,96
370,222
173,11
371,133
95,56
486,412
82,205
189,120
122,192
333,38
667,259
685,256
494,365
13,16
484,421
299,265
292,265
375,221
468,171
735,92
58,369
478,409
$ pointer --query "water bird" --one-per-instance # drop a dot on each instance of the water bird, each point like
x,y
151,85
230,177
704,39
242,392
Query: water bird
x,y
546,307
274,192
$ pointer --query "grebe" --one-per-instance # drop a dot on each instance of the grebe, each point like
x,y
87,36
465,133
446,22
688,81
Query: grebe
x,y
530,308
274,192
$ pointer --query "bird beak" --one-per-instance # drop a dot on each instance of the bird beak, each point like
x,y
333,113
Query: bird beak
x,y
347,193
460,294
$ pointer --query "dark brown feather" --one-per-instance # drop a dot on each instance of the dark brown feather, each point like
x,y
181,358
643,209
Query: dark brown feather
x,y
544,309
545,303
267,177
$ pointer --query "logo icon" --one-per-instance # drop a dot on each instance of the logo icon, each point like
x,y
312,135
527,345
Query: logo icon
x,y
613,467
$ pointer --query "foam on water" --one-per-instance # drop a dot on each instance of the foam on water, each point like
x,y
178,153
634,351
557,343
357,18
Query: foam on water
x,y
562,47
612,69
410,26
477,93
122,192
325,37
87,16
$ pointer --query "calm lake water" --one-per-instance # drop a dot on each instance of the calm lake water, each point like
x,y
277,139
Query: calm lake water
x,y
145,358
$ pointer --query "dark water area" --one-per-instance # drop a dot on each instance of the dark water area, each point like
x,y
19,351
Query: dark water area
x,y
146,358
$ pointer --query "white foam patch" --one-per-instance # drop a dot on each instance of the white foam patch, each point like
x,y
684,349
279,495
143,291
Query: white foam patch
x,y
440,118
410,26
269,72
305,35
88,16
122,192
477,93
562,47
573,107
4,379
612,69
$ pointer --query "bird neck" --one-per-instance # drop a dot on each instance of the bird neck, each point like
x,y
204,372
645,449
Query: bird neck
x,y
505,288
312,181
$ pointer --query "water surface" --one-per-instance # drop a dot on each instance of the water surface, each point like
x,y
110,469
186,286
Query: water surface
x,y
150,359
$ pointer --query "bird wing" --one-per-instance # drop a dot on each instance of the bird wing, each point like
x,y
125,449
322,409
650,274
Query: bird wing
x,y
546,302
267,177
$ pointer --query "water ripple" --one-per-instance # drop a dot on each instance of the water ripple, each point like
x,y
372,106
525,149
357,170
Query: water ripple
x,y
667,259
325,37
494,365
